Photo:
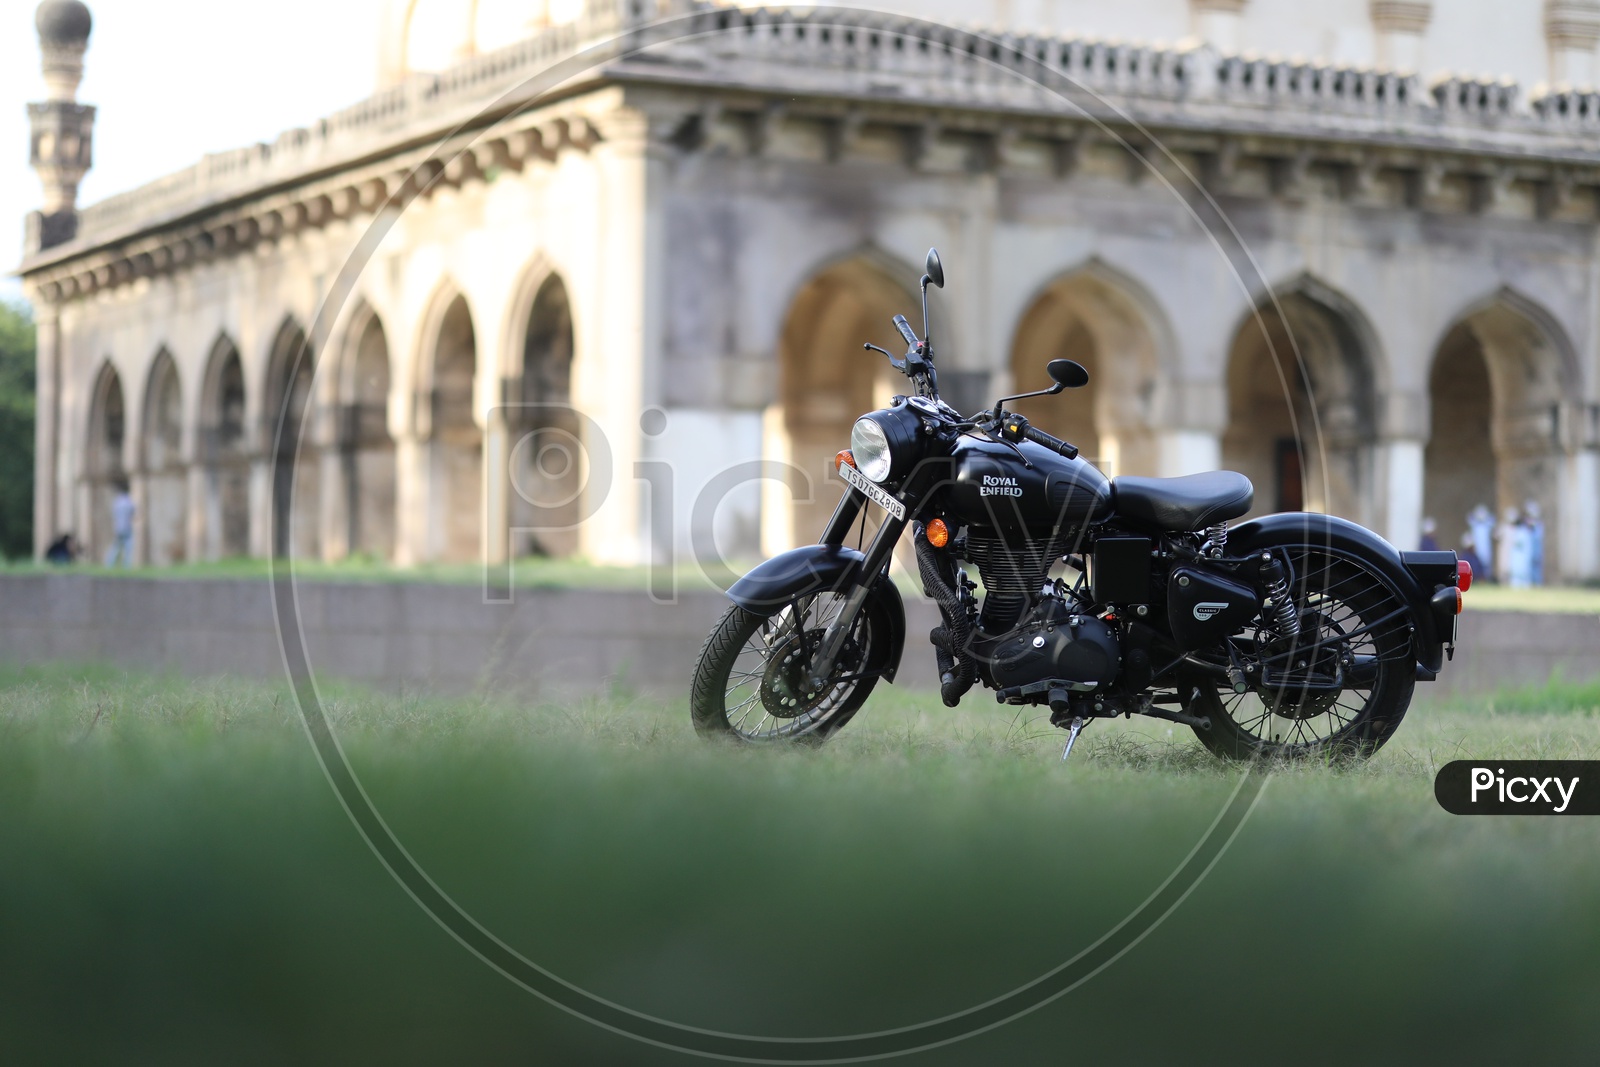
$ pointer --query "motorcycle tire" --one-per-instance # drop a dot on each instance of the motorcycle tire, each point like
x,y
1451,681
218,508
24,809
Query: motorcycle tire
x,y
776,691
1334,594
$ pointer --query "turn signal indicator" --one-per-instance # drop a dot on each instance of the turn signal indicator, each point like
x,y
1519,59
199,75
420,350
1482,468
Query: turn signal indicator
x,y
843,458
938,533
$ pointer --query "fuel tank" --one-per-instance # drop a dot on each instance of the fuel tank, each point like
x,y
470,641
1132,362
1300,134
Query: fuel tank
x,y
993,488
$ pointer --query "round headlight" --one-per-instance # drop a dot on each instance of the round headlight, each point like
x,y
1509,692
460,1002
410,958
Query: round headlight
x,y
870,447
887,443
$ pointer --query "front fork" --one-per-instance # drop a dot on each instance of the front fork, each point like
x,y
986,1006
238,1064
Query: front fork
x,y
877,557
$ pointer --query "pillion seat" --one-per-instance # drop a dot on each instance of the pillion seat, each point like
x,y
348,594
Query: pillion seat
x,y
1187,503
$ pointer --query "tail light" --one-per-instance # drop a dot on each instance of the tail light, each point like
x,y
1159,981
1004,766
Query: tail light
x,y
1463,575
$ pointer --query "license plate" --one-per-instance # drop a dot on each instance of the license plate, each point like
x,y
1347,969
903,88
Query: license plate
x,y
873,491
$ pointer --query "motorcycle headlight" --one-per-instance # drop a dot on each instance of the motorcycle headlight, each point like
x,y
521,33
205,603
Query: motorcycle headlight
x,y
884,443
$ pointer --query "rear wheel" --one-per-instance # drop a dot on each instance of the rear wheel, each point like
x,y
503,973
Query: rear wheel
x,y
1337,690
752,680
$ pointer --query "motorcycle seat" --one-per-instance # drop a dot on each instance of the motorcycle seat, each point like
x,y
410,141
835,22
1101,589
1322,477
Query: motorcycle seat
x,y
1188,503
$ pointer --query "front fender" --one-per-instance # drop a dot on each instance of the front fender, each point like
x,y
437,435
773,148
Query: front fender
x,y
1346,538
820,568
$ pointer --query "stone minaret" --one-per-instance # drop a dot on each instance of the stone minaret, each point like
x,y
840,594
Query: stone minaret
x,y
62,128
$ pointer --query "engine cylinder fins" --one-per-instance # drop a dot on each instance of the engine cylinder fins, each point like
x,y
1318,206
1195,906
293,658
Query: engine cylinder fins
x,y
1013,573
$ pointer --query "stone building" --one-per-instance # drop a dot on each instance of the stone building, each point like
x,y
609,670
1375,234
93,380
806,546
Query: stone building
x,y
1287,224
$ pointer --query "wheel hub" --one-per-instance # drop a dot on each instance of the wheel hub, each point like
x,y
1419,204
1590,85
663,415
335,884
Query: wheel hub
x,y
1304,689
786,689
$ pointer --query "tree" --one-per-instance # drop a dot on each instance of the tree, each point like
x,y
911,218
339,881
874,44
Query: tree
x,y
17,356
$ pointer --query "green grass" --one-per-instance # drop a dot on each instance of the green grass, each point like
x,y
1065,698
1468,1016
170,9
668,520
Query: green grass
x,y
179,884
528,572
1549,599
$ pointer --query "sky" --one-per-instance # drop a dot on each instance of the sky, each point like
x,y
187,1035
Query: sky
x,y
174,79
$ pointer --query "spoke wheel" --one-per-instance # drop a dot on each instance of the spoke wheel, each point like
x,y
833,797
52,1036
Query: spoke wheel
x,y
752,681
1337,690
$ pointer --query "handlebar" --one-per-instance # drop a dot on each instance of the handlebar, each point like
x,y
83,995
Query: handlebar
x,y
905,329
1054,444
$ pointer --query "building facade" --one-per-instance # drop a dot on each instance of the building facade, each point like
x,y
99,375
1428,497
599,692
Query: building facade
x,y
599,282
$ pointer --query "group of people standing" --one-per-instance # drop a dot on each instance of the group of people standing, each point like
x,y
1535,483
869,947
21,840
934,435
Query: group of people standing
x,y
1510,552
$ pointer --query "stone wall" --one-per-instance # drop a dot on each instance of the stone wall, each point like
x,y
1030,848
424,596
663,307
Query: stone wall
x,y
549,643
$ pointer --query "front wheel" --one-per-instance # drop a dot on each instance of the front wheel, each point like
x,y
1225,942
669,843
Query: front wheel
x,y
751,681
1338,690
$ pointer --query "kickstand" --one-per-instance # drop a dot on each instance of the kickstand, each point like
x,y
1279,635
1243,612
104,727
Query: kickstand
x,y
1072,736
1058,711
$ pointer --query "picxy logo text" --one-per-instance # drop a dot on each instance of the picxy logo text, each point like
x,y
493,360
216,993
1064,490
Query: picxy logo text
x,y
1519,787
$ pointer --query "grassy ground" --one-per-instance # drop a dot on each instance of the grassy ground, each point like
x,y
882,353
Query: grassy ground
x,y
179,884
578,573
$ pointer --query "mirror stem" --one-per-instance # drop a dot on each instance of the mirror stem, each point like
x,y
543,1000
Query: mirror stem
x,y
927,341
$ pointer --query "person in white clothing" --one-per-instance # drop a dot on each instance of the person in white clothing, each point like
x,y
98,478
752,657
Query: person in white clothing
x,y
1535,523
1480,520
122,513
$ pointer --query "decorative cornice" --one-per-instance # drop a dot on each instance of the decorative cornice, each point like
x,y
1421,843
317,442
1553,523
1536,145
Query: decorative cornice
x,y
767,70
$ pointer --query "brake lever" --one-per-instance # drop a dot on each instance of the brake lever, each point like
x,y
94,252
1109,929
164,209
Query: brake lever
x,y
897,364
983,426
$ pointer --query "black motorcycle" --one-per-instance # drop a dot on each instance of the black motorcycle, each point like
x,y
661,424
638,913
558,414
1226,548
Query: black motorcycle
x,y
1293,634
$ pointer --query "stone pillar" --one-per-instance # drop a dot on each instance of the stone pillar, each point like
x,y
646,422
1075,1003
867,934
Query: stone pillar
x,y
1180,452
333,518
1398,26
1189,439
139,489
411,500
261,517
1580,520
497,485
620,299
196,543
47,415
1399,487
1571,28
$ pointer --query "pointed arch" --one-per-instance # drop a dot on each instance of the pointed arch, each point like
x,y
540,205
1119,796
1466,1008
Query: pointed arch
x,y
223,452
1504,373
366,449
162,461
547,451
1109,322
288,444
105,468
1305,372
104,455
825,380
450,428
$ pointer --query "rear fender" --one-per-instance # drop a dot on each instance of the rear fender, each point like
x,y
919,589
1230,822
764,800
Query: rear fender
x,y
814,569
1413,576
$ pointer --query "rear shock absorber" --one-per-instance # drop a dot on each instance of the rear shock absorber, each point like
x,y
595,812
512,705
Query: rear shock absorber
x,y
1216,544
1280,610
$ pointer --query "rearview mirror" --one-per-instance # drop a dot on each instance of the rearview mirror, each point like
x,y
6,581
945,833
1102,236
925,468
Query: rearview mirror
x,y
1067,374
934,269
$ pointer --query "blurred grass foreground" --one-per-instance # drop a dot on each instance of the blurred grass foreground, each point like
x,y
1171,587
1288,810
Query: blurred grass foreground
x,y
178,883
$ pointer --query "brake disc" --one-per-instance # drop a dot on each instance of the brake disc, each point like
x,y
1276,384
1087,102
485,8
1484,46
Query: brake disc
x,y
786,691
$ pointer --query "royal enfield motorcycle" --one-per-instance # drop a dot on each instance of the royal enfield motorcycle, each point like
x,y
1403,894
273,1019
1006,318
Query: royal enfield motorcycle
x,y
1291,635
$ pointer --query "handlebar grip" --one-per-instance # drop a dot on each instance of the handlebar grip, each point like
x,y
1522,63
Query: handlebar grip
x,y
905,329
1054,444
